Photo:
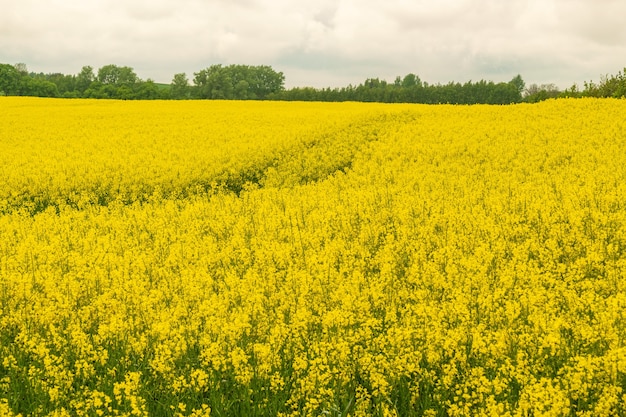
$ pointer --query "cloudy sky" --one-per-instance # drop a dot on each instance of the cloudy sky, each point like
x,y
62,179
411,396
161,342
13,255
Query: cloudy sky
x,y
323,42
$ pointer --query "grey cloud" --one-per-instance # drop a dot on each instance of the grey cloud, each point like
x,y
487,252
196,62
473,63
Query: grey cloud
x,y
600,22
326,16
323,61
325,42
147,12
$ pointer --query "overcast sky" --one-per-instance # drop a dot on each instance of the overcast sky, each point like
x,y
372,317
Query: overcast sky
x,y
323,43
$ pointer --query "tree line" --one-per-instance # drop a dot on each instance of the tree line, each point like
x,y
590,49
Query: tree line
x,y
244,82
235,82
411,89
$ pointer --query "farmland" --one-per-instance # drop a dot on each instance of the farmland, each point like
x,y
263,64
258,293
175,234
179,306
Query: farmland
x,y
195,258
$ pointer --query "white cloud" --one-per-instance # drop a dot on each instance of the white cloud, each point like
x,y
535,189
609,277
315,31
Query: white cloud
x,y
323,43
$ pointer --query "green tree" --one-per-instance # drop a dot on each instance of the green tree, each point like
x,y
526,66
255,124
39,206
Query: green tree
x,y
519,84
128,77
411,80
535,93
504,93
118,76
214,83
10,80
264,81
109,74
65,83
147,90
573,91
241,90
611,86
84,79
39,87
179,88
203,81
21,68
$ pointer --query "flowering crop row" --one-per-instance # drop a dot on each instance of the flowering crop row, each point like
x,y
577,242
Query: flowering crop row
x,y
79,153
240,258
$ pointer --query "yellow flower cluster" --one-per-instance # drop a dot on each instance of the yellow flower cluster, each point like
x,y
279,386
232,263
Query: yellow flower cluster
x,y
262,258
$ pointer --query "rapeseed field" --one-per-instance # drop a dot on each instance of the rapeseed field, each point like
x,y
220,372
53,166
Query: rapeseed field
x,y
307,259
